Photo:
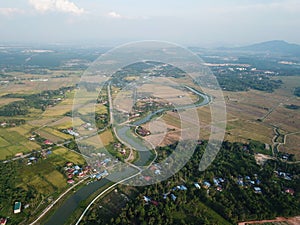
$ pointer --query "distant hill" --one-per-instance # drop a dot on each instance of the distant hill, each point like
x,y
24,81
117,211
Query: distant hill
x,y
277,46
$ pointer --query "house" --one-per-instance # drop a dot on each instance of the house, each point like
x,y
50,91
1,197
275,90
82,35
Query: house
x,y
290,191
257,190
81,174
206,184
221,180
154,203
69,164
3,221
106,160
173,197
240,182
216,182
147,199
157,172
197,185
182,188
123,151
70,181
20,154
48,142
219,188
48,152
147,178
17,207
102,174
77,167
166,195
3,124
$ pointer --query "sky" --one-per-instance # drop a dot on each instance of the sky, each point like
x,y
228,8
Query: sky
x,y
188,22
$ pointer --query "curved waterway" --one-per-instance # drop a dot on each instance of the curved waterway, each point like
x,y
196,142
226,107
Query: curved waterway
x,y
124,133
64,212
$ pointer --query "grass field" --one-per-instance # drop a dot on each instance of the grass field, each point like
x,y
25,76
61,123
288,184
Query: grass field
x,y
56,179
5,101
66,122
106,137
292,145
172,119
12,142
66,155
103,139
24,129
3,142
44,176
49,136
57,133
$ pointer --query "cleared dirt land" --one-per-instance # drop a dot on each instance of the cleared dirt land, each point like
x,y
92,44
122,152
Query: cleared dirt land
x,y
250,115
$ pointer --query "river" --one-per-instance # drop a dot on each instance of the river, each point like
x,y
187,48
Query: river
x,y
64,212
124,133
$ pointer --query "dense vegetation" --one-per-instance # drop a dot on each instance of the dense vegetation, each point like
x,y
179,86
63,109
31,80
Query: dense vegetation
x,y
149,68
11,192
238,82
39,101
209,206
292,106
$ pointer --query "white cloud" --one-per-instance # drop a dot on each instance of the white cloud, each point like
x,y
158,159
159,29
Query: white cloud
x,y
114,15
10,11
56,5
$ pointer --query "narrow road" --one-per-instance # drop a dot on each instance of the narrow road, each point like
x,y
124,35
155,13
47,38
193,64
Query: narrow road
x,y
102,193
49,207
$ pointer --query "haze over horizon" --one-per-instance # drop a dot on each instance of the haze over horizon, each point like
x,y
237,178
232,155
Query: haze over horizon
x,y
193,22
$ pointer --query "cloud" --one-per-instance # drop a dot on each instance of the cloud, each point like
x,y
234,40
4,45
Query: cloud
x,y
10,11
114,15
56,5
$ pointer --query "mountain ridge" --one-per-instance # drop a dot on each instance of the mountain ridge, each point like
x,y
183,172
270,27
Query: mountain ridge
x,y
274,46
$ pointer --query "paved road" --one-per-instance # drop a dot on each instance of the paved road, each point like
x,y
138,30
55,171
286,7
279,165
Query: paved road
x,y
49,207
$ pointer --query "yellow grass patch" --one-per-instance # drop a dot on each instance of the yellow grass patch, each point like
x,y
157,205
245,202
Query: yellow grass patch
x,y
57,133
56,179
23,129
5,101
69,156
49,136
106,137
3,142
41,185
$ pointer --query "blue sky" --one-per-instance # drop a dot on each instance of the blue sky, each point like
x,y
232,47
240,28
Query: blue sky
x,y
188,22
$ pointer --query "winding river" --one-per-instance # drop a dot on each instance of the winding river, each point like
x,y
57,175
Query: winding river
x,y
64,212
126,136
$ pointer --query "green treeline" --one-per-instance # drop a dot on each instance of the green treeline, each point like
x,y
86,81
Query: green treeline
x,y
39,101
209,206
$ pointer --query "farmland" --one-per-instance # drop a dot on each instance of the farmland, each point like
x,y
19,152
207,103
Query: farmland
x,y
37,121
244,111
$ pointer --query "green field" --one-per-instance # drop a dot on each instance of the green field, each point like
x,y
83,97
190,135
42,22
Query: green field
x,y
11,143
45,176
63,155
